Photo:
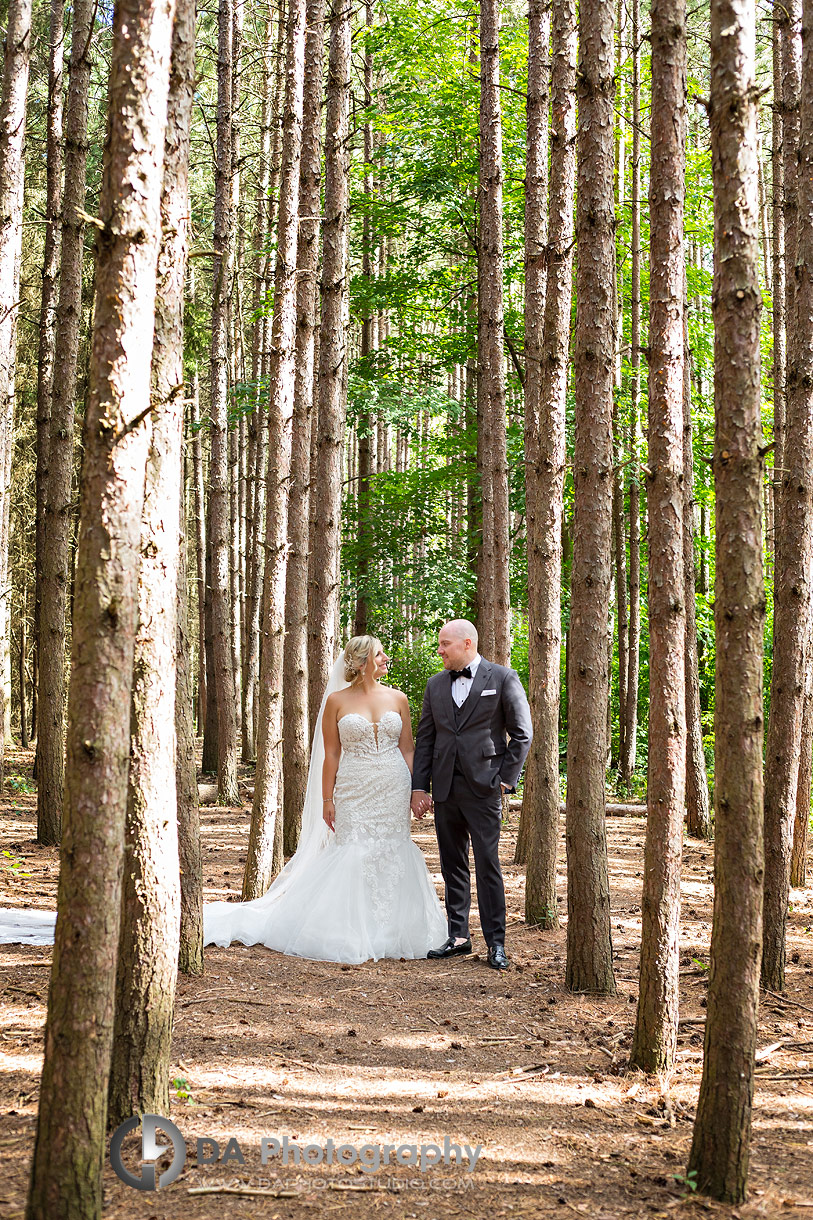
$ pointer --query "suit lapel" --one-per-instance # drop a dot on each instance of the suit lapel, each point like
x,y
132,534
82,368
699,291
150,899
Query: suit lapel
x,y
447,701
477,686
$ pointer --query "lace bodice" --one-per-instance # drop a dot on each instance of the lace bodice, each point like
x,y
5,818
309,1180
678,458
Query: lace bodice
x,y
359,735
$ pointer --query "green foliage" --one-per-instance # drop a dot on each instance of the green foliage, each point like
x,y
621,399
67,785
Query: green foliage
x,y
13,863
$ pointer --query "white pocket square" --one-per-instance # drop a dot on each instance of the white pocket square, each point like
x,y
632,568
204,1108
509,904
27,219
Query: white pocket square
x,y
487,692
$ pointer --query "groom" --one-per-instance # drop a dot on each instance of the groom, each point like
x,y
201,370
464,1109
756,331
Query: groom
x,y
461,750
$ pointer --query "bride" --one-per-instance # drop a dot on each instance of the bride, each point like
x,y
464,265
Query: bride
x,y
357,887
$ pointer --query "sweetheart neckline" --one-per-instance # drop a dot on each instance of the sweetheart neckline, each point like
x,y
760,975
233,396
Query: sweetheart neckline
x,y
374,723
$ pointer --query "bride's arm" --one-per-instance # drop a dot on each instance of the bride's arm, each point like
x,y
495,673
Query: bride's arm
x,y
406,742
333,752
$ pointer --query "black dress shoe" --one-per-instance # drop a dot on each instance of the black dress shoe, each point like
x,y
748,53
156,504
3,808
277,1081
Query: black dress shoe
x,y
450,949
496,957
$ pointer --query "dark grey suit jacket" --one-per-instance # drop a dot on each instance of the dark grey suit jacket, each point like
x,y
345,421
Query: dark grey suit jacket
x,y
477,738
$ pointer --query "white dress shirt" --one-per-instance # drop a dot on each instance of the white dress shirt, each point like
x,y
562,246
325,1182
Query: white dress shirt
x,y
462,686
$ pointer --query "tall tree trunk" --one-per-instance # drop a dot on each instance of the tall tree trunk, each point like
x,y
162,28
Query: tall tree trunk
x,y
630,734
295,723
698,813
536,164
218,520
494,610
16,63
151,901
778,248
56,556
70,1146
368,464
794,543
50,292
790,45
719,1155
798,863
264,857
323,572
619,466
545,477
256,420
655,1037
589,943
190,950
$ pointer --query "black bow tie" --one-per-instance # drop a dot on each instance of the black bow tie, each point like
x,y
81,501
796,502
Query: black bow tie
x,y
460,673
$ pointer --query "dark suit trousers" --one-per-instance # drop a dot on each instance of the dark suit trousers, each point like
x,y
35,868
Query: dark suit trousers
x,y
465,816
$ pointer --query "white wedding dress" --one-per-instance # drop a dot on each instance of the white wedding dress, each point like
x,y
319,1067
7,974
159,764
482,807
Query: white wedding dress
x,y
367,893
361,892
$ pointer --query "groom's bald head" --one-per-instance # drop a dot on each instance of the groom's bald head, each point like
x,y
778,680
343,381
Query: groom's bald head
x,y
457,643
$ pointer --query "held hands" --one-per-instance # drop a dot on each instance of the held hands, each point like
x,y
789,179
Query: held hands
x,y
329,813
420,803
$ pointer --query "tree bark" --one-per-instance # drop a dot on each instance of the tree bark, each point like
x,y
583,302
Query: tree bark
x,y
70,1146
798,862
698,813
536,162
630,734
151,902
256,420
777,250
218,520
545,476
719,1155
190,951
792,559
655,1037
494,610
264,857
56,556
16,63
589,942
323,570
50,292
295,721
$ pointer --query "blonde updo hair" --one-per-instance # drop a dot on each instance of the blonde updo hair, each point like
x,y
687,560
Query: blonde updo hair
x,y
356,654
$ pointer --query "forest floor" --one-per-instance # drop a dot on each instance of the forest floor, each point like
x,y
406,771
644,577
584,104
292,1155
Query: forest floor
x,y
416,1052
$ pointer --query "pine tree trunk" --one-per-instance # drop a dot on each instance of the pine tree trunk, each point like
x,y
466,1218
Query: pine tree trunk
x,y
778,249
218,519
256,421
589,943
655,1037
56,556
619,530
698,813
368,433
151,901
630,734
16,63
792,560
536,161
70,1149
264,857
719,1155
323,572
798,861
48,303
494,609
190,951
790,36
545,479
295,721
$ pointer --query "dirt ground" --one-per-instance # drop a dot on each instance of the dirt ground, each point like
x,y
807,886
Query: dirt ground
x,y
411,1053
